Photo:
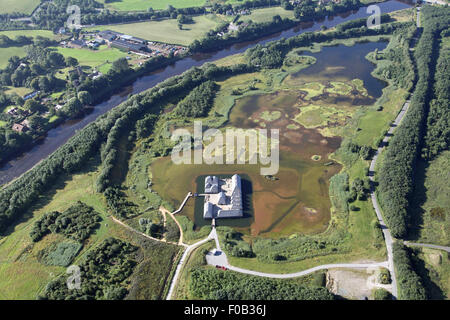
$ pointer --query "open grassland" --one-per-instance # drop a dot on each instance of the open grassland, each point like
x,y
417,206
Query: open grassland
x,y
143,5
29,33
22,6
101,58
23,276
267,14
166,31
431,208
7,53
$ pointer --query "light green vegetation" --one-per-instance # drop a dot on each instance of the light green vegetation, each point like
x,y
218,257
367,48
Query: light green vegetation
x,y
267,14
312,89
22,6
359,86
23,276
143,5
101,58
373,123
433,191
166,31
270,115
313,116
21,91
340,88
29,33
8,53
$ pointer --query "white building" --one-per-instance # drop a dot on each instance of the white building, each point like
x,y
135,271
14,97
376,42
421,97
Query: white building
x,y
226,202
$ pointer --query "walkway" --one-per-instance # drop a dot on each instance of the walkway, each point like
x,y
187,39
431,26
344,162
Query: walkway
x,y
426,245
386,233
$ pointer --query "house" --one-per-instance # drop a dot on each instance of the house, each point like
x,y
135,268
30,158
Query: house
x,y
77,44
12,111
226,202
19,128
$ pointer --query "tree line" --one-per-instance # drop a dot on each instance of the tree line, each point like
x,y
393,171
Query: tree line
x,y
437,138
396,177
212,284
409,283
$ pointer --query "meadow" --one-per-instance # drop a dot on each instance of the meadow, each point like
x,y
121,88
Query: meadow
x,y
101,58
143,5
24,276
167,30
22,6
266,14
8,53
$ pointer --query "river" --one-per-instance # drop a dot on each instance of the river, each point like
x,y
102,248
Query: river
x,y
58,136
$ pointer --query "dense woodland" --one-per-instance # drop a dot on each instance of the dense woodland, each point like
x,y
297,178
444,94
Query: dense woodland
x,y
221,285
409,283
396,176
103,273
77,223
198,102
438,122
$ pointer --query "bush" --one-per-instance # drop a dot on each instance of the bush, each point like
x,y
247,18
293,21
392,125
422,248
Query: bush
x,y
382,294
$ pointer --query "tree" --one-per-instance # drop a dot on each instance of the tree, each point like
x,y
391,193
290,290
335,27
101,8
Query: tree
x,y
71,62
85,97
120,65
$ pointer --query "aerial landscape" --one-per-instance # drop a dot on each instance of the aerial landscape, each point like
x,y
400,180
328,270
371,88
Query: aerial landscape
x,y
224,150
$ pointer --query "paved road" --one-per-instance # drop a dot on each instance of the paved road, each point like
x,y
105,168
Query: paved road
x,y
188,250
219,258
426,245
376,206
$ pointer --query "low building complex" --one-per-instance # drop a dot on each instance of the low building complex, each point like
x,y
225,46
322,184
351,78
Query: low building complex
x,y
223,198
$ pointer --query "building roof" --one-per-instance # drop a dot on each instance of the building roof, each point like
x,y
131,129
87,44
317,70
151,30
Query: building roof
x,y
128,45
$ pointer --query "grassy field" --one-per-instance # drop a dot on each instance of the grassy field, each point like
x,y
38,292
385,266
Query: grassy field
x,y
29,33
8,53
22,276
431,209
94,58
143,5
266,14
166,30
22,6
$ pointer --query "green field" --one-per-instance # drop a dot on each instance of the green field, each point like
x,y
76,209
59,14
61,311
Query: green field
x,y
266,14
22,6
8,53
166,30
143,5
29,33
94,58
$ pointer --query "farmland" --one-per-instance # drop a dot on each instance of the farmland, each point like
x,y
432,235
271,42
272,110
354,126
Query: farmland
x,y
165,30
143,5
22,6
